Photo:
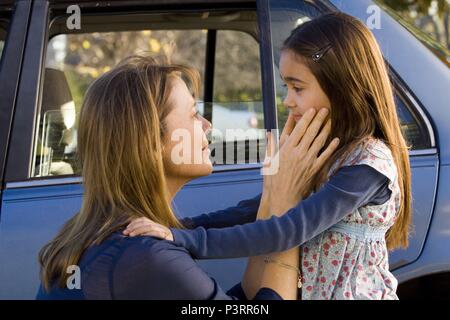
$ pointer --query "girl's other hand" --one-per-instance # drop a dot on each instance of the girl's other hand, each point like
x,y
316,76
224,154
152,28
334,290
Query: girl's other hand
x,y
146,227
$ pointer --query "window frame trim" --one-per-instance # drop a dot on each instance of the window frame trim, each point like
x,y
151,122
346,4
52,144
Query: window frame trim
x,y
73,179
49,181
415,107
22,138
266,60
10,69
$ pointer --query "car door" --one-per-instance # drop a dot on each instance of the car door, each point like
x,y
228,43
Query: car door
x,y
43,186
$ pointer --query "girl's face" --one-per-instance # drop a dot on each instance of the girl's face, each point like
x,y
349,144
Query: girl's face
x,y
186,152
303,89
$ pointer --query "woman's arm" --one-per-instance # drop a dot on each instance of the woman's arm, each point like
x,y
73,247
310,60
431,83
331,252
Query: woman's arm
x,y
254,271
259,274
255,276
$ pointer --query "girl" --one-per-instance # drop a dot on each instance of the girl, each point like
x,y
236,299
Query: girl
x,y
126,123
334,62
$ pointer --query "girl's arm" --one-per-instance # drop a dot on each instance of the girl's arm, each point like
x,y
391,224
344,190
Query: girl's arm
x,y
244,212
350,188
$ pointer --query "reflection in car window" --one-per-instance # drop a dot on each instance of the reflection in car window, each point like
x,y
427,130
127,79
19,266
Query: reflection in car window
x,y
414,132
237,109
4,23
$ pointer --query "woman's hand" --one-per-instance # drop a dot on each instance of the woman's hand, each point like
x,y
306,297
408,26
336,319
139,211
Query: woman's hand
x,y
271,151
297,160
146,227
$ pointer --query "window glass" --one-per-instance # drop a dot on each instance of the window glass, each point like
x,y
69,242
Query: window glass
x,y
413,131
237,110
4,24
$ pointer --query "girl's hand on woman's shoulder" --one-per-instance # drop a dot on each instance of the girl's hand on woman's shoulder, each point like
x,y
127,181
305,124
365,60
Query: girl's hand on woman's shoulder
x,y
146,227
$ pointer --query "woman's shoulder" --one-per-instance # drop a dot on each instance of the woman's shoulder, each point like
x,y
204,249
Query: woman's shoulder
x,y
145,245
158,269
120,252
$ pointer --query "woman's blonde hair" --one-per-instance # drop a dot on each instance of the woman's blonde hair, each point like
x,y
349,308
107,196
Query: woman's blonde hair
x,y
120,142
345,58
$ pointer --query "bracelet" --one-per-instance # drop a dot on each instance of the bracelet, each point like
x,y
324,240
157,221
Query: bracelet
x,y
268,259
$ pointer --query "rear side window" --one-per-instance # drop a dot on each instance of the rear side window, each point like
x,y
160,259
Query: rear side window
x,y
413,129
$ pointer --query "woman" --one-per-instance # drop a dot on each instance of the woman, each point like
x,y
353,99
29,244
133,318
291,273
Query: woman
x,y
127,123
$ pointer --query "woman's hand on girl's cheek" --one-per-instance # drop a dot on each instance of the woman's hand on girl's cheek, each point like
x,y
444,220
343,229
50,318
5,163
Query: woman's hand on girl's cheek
x,y
146,227
287,129
272,148
298,160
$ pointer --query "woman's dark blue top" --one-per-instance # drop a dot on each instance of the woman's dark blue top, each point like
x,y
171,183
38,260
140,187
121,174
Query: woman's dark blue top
x,y
147,268
122,267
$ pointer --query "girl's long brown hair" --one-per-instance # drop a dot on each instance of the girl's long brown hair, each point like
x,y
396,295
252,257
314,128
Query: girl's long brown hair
x,y
120,140
353,75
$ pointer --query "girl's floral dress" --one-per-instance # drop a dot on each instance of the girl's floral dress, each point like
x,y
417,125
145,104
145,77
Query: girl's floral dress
x,y
350,260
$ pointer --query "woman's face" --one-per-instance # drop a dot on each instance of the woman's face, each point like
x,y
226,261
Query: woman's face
x,y
303,89
186,152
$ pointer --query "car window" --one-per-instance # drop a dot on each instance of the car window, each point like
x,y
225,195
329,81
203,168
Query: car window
x,y
284,18
237,109
4,23
2,40
5,102
413,129
74,60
